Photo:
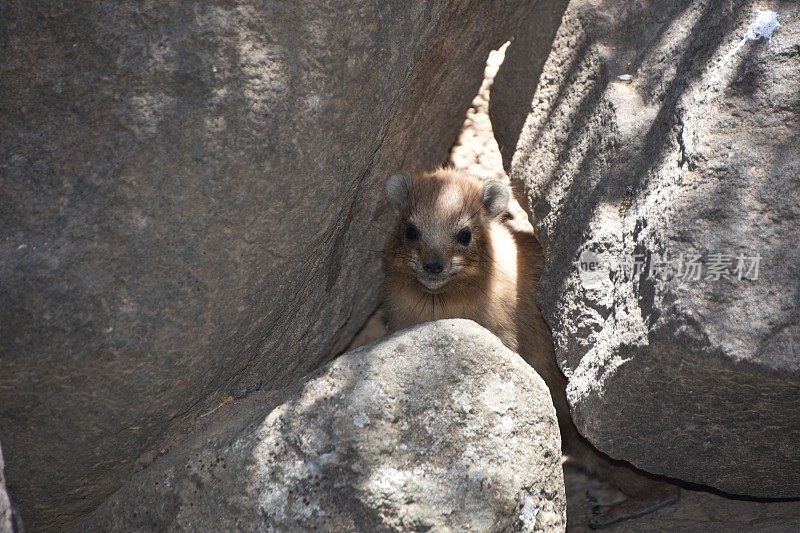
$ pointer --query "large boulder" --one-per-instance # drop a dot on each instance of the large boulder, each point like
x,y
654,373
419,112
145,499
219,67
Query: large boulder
x,y
439,427
660,132
187,190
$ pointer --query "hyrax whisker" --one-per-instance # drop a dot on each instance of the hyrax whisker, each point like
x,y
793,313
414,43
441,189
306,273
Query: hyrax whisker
x,y
383,230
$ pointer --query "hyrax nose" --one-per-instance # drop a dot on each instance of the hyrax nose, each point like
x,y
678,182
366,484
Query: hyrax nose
x,y
434,266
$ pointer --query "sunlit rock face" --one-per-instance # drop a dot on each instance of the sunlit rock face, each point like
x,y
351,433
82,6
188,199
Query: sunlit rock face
x,y
6,511
660,160
439,427
186,197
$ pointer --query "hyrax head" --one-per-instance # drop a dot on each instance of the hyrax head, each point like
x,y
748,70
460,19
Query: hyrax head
x,y
442,234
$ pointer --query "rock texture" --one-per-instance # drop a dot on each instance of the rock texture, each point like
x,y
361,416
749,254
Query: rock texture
x,y
185,201
475,149
438,427
513,89
698,511
661,131
6,512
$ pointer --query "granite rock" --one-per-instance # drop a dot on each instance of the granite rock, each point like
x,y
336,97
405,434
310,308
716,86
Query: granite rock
x,y
438,427
660,160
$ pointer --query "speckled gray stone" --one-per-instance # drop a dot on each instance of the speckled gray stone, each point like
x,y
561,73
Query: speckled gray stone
x,y
6,514
439,427
660,128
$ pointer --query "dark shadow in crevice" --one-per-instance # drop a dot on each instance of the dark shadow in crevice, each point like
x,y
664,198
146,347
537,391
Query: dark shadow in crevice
x,y
518,77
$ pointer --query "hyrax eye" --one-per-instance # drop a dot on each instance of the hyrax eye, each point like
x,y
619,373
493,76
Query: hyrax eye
x,y
412,233
464,236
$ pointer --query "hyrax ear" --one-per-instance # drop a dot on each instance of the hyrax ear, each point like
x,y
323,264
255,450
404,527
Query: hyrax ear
x,y
398,190
495,196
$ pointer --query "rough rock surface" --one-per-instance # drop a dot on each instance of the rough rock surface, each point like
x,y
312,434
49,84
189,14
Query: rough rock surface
x,y
659,129
698,511
475,149
6,514
439,426
186,195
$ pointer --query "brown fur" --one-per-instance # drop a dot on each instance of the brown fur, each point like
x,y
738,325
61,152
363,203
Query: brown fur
x,y
494,284
490,275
